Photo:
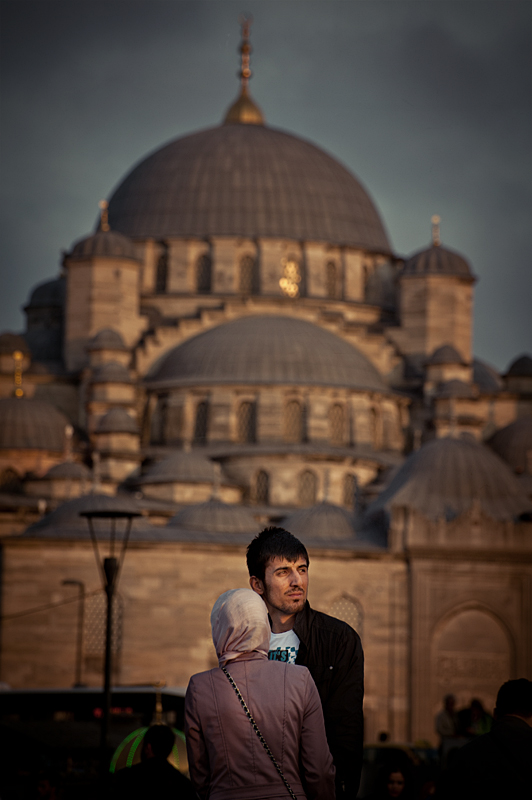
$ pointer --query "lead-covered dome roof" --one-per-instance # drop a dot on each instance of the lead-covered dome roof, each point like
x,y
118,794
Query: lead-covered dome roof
x,y
266,350
438,260
514,444
247,181
31,424
104,244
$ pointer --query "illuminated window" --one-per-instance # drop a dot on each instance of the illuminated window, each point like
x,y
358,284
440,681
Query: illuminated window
x,y
308,486
350,488
248,278
201,423
161,274
348,610
247,422
262,488
294,422
203,274
331,280
336,425
291,282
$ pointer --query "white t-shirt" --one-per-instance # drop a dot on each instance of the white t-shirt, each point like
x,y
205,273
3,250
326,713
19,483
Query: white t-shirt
x,y
284,647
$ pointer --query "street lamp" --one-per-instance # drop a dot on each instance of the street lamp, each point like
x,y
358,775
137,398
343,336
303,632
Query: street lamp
x,y
116,510
79,634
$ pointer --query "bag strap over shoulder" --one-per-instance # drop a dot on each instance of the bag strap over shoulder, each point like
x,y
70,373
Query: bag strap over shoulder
x,y
259,734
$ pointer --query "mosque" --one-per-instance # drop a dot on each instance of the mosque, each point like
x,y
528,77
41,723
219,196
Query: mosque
x,y
238,345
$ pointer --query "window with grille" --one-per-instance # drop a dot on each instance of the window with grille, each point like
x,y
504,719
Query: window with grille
x,y
294,422
389,429
94,632
350,488
348,610
308,486
336,425
248,278
331,280
161,273
158,420
174,424
262,488
203,274
201,423
247,422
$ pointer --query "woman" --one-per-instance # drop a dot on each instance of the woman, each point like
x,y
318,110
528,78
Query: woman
x,y
226,758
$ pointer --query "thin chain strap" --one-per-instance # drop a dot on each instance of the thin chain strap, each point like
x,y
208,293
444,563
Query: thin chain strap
x,y
263,741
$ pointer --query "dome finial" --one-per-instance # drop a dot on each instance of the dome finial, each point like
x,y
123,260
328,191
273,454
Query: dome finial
x,y
104,216
435,219
244,110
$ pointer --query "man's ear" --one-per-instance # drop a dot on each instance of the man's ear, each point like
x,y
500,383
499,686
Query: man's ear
x,y
257,585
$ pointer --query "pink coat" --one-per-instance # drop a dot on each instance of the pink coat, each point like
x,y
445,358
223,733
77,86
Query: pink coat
x,y
226,758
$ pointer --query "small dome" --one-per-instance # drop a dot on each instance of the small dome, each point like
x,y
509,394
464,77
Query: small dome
x,y
437,260
521,367
112,372
446,476
216,517
514,444
51,293
31,424
66,521
456,388
486,378
324,522
9,342
117,421
104,244
181,467
267,350
107,339
446,354
68,470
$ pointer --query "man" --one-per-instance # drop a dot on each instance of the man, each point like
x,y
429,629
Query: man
x,y
496,765
331,649
446,726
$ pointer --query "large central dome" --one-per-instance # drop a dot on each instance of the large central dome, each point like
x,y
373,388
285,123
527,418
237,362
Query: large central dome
x,y
247,181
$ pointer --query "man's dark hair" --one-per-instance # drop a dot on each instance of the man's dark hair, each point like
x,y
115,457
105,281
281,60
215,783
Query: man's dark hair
x,y
161,738
273,543
515,697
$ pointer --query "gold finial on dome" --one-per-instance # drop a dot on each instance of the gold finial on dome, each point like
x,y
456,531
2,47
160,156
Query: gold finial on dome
x,y
104,216
244,110
436,241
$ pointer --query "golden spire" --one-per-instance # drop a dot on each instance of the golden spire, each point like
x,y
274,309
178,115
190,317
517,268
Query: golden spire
x,y
436,241
104,216
244,110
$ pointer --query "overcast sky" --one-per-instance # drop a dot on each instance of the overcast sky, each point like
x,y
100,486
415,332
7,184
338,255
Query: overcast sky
x,y
429,103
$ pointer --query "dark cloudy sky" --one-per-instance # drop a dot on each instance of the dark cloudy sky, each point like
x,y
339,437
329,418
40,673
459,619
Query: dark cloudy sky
x,y
429,103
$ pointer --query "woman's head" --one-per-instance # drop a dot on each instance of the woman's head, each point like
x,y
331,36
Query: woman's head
x,y
396,780
239,623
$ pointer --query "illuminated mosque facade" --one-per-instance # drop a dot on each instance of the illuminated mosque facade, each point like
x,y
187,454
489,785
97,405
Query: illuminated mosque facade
x,y
238,345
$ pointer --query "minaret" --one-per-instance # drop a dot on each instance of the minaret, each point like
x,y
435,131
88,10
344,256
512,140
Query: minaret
x,y
244,110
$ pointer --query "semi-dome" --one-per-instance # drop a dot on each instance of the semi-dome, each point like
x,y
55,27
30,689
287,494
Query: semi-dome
x,y
514,444
67,521
521,367
266,350
107,339
446,354
181,467
248,181
68,470
104,244
324,522
214,516
117,420
445,477
486,377
50,293
437,260
31,424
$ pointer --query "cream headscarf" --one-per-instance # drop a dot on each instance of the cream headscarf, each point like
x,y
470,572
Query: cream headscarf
x,y
239,622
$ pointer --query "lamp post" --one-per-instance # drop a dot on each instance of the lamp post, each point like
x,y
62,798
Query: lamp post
x,y
79,633
116,510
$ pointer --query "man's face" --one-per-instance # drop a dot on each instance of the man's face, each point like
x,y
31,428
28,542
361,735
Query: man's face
x,y
285,585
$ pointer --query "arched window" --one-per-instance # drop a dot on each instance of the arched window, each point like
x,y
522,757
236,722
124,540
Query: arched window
x,y
294,422
336,425
331,280
203,274
158,420
348,610
247,422
248,277
10,481
350,488
389,430
201,423
308,486
161,274
262,488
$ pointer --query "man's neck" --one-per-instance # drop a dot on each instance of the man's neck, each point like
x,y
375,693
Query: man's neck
x,y
280,622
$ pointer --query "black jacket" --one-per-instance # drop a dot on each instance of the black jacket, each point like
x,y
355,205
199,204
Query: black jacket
x,y
332,651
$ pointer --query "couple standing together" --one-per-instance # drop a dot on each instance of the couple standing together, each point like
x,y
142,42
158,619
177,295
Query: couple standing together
x,y
308,717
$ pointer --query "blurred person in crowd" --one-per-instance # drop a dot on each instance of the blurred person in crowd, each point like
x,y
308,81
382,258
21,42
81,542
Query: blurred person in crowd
x,y
396,782
446,725
226,757
475,720
496,765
